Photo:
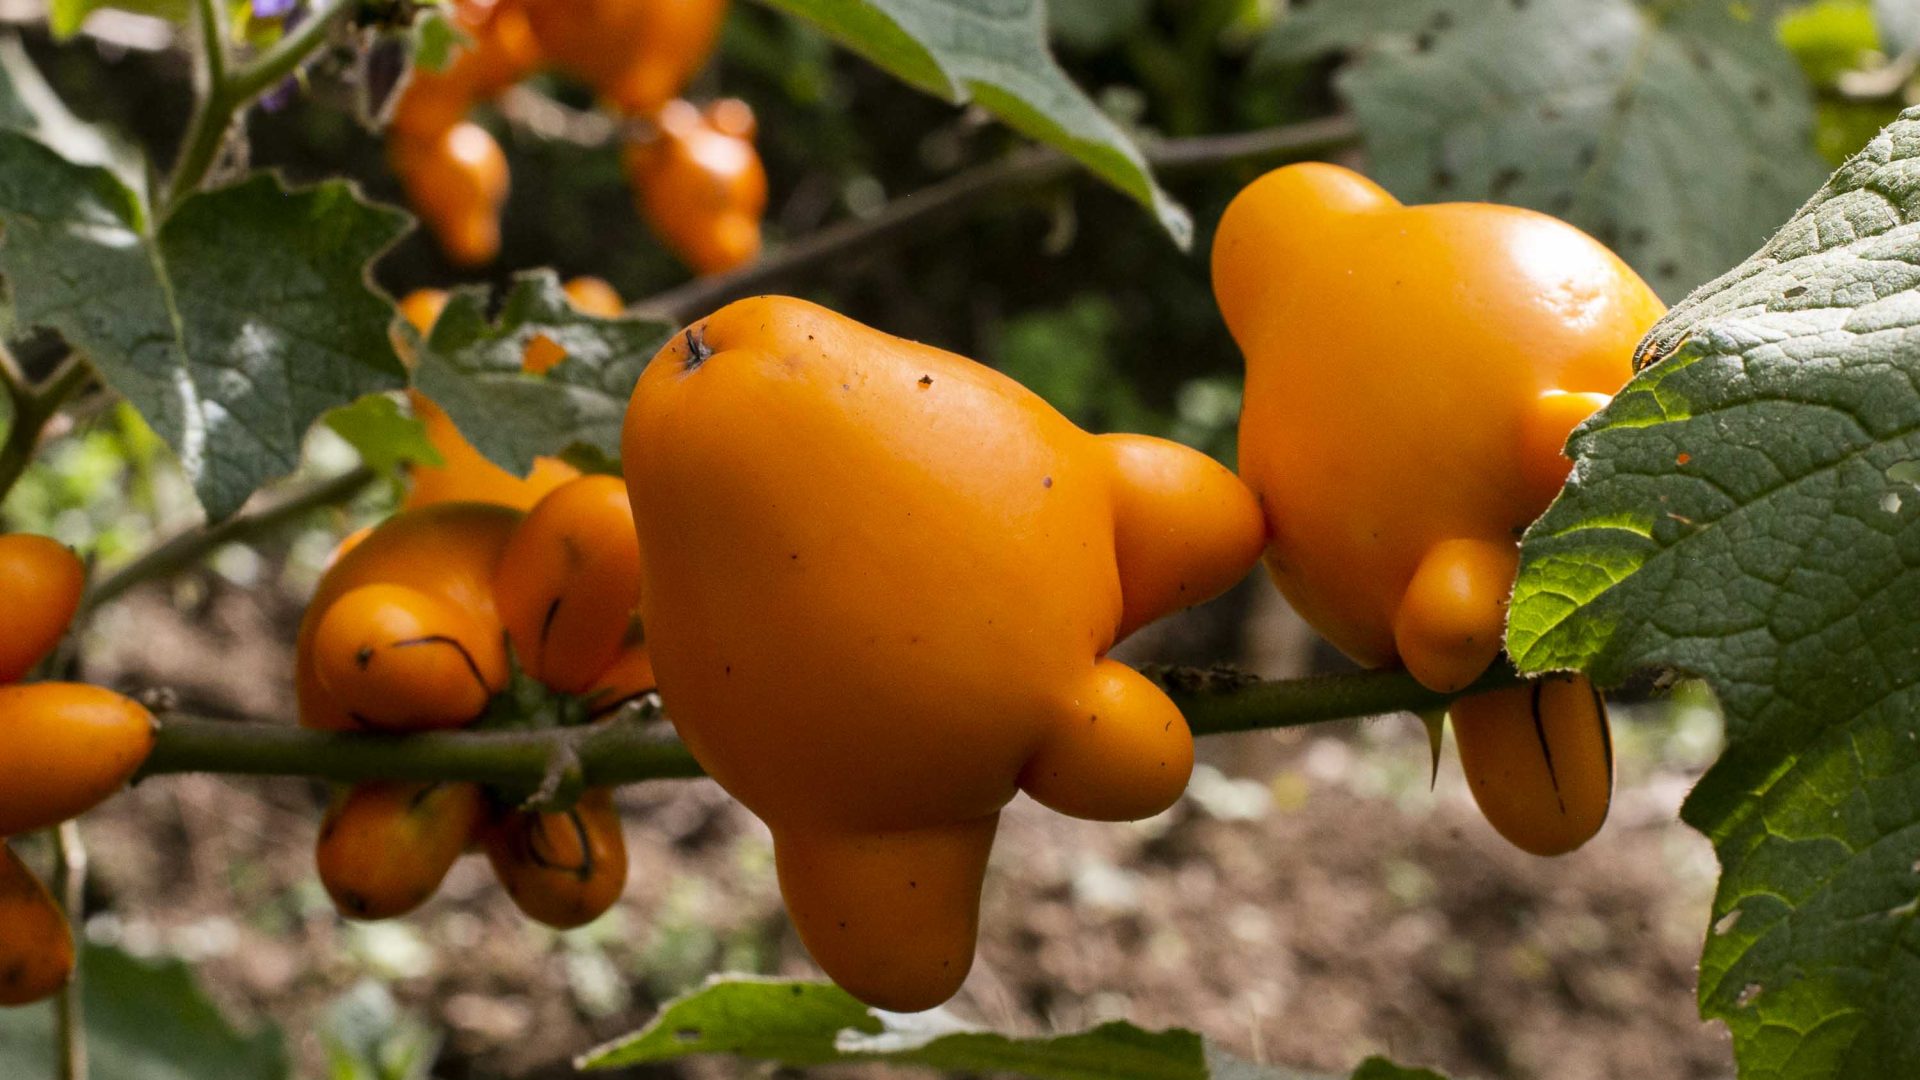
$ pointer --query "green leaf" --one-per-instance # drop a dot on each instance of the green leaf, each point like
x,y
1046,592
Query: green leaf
x,y
995,53
1679,132
385,437
1746,510
471,368
231,328
800,1024
435,40
1376,1068
145,1020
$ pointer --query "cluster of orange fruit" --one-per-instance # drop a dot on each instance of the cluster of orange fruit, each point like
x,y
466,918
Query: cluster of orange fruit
x,y
879,582
64,747
696,176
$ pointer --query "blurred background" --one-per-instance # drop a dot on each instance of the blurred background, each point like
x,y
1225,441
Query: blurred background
x,y
1314,898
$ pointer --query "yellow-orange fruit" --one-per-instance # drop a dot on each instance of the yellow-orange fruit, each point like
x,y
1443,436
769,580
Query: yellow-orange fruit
x,y
457,182
563,869
40,585
447,553
399,659
1412,374
36,946
385,846
1539,759
637,54
569,581
879,582
698,182
64,748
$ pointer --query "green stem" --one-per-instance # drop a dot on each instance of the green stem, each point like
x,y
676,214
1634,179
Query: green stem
x,y
628,750
228,92
32,409
188,548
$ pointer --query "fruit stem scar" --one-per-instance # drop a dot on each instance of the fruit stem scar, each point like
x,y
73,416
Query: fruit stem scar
x,y
697,351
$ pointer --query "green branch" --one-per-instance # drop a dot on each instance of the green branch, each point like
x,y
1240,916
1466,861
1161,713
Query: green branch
x,y
227,92
33,407
187,548
629,749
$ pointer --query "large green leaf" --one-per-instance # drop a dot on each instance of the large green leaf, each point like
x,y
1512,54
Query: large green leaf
x,y
1746,510
231,327
145,1020
470,367
995,53
1680,132
799,1024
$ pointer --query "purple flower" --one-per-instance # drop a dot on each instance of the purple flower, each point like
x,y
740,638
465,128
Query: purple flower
x,y
273,9
280,96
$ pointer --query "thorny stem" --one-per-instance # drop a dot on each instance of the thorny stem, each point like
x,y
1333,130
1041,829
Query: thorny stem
x,y
229,91
70,879
913,214
629,750
33,408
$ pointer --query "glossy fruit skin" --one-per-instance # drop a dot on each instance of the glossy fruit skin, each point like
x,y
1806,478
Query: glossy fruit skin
x,y
447,552
1539,760
1412,375
385,846
637,54
464,474
569,581
67,747
699,184
563,869
36,945
398,659
457,182
879,582
41,581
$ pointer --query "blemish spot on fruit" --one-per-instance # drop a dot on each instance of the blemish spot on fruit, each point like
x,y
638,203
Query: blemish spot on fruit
x,y
913,884
926,381
363,657
843,924
1046,481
